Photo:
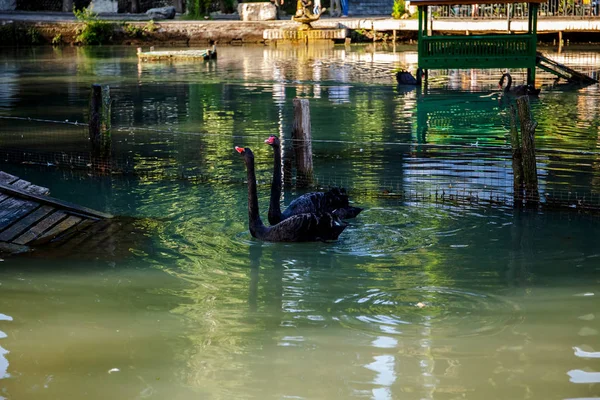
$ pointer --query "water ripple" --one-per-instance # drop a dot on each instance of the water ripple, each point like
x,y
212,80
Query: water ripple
x,y
448,312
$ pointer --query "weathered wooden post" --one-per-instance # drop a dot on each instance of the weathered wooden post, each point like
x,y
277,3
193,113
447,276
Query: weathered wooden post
x,y
135,6
528,126
179,6
67,6
517,158
99,126
302,143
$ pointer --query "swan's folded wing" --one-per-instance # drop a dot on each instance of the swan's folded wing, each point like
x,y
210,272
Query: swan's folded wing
x,y
297,228
305,204
305,228
317,203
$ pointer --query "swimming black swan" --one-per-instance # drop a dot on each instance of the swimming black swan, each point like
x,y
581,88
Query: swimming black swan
x,y
520,90
405,78
298,228
334,201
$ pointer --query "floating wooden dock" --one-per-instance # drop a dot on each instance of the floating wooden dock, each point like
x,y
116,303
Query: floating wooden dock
x,y
30,218
176,55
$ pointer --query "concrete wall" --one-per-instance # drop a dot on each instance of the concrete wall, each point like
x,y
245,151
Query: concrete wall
x,y
47,5
99,5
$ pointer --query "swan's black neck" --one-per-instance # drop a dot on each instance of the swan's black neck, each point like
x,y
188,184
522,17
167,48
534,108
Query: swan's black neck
x,y
508,80
254,221
274,204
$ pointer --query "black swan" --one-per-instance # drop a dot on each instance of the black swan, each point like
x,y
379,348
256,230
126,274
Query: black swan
x,y
405,78
335,201
521,90
298,228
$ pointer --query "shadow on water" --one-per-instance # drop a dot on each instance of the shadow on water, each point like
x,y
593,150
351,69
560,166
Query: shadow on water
x,y
116,239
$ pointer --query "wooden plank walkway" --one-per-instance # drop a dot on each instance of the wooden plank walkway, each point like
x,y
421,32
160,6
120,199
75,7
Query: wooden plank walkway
x,y
177,55
29,218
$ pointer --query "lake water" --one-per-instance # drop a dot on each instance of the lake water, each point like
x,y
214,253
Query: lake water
x,y
416,300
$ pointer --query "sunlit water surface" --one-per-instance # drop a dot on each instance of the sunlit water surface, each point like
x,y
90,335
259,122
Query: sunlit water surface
x,y
417,300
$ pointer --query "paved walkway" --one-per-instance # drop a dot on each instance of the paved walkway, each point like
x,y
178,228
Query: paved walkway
x,y
383,23
62,16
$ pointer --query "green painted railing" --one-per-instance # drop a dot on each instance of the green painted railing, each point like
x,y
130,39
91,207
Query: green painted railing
x,y
483,51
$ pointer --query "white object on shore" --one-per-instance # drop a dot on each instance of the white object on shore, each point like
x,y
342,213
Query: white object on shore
x,y
257,11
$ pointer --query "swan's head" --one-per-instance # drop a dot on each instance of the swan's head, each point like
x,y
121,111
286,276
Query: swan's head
x,y
244,151
272,140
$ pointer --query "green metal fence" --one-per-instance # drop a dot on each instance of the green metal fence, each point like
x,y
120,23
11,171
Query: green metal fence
x,y
572,9
489,51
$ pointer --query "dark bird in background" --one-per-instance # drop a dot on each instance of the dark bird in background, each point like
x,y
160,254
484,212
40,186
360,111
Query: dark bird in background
x,y
405,78
520,90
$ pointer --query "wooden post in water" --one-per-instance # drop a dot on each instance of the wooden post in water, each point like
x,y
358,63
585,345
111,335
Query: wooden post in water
x,y
560,41
99,127
528,126
517,158
302,143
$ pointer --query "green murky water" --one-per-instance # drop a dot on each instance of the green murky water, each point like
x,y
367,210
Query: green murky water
x,y
417,300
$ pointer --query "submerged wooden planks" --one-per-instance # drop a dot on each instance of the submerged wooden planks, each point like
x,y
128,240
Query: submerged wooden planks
x,y
562,71
29,218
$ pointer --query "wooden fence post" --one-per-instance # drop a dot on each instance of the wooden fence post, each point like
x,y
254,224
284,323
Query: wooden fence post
x,y
99,126
135,6
528,126
67,6
302,143
178,6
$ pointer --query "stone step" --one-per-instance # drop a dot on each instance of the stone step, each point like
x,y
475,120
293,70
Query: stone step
x,y
298,35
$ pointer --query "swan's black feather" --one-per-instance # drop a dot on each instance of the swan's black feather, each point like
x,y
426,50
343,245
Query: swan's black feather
x,y
334,201
306,227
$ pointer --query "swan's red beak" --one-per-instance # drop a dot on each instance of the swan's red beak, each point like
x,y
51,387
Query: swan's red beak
x,y
270,140
239,149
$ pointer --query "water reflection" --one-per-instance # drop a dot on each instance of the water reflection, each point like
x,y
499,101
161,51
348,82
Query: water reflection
x,y
417,300
252,317
181,119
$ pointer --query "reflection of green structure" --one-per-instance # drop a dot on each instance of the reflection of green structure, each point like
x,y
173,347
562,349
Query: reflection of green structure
x,y
446,115
480,51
